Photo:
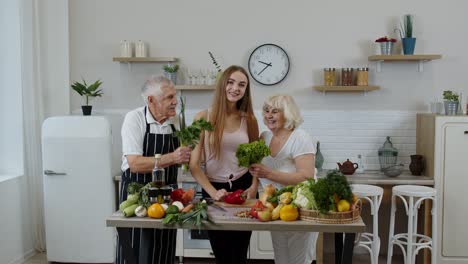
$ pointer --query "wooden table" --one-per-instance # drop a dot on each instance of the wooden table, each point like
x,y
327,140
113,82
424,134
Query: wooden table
x,y
227,221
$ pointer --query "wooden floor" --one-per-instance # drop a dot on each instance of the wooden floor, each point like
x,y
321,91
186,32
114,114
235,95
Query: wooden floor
x,y
328,259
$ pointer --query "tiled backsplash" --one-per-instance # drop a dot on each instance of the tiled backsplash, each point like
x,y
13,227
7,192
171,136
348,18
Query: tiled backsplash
x,y
342,134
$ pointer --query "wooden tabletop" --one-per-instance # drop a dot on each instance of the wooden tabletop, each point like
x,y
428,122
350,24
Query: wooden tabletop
x,y
227,221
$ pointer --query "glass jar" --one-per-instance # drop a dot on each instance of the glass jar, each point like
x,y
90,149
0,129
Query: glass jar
x,y
362,76
153,194
329,76
166,194
347,76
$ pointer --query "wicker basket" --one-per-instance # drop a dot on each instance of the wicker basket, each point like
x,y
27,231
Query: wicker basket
x,y
332,217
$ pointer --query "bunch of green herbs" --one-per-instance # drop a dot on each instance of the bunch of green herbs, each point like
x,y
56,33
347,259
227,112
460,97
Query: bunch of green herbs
x,y
195,217
327,190
190,136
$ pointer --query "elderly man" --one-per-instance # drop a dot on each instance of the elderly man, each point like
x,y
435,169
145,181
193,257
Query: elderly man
x,y
147,131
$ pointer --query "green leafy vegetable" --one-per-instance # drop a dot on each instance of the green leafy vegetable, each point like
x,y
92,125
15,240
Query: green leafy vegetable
x,y
327,190
134,187
303,196
190,136
195,216
250,153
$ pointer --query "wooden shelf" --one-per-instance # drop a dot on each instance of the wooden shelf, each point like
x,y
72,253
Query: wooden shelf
x,y
195,87
418,58
144,59
405,57
365,89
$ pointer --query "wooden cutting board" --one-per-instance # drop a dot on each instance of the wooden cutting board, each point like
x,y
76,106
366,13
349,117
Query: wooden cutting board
x,y
248,203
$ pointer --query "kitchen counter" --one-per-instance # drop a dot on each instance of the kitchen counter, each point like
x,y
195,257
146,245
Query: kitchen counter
x,y
227,221
368,177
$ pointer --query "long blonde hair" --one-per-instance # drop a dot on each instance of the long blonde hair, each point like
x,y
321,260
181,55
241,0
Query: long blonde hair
x,y
219,110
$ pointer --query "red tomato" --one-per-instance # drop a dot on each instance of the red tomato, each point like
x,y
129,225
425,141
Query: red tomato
x,y
256,208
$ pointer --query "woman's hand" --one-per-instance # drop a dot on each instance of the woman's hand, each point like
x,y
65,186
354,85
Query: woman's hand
x,y
219,195
251,192
259,170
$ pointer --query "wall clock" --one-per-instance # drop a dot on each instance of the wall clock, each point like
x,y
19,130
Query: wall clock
x,y
269,64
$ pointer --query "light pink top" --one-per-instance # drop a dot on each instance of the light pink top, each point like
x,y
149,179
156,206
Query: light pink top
x,y
220,170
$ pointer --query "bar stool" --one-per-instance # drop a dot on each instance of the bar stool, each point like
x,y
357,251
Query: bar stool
x,y
413,241
370,241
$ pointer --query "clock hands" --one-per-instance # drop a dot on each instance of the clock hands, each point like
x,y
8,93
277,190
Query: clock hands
x,y
264,69
269,64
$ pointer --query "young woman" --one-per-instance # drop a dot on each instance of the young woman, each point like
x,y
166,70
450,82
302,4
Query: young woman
x,y
292,161
234,123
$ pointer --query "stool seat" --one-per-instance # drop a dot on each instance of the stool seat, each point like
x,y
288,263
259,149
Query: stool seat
x,y
414,190
361,190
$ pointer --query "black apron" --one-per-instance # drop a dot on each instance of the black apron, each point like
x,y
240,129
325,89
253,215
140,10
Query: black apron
x,y
144,245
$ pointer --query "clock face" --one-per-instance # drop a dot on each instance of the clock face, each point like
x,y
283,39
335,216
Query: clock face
x,y
268,64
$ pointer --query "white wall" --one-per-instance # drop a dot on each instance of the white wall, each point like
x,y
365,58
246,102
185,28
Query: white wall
x,y
315,34
11,138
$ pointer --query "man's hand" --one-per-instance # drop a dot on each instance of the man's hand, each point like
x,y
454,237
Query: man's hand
x,y
181,155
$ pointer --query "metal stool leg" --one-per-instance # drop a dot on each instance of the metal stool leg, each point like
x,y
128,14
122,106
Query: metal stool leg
x,y
392,230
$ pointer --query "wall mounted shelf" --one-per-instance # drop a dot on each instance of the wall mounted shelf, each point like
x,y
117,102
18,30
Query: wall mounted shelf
x,y
144,59
195,87
364,89
389,58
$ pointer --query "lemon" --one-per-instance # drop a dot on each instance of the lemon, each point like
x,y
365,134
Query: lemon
x,y
343,206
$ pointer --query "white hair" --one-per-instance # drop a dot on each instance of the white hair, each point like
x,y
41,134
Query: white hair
x,y
287,105
152,87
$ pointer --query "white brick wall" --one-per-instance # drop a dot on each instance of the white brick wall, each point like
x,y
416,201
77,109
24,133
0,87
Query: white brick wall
x,y
342,134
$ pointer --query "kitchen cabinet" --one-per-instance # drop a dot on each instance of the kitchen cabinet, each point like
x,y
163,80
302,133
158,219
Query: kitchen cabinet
x,y
443,141
391,58
261,246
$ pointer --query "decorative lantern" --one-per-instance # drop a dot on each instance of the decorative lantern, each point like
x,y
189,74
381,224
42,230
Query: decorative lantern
x,y
387,154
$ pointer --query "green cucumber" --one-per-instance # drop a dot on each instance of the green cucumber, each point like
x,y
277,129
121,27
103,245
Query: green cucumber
x,y
131,199
130,210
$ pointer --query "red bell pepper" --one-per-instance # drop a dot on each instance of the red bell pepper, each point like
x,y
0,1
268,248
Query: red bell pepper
x,y
176,195
237,197
256,208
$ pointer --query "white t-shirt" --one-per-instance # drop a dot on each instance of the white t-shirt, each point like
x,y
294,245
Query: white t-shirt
x,y
298,143
134,128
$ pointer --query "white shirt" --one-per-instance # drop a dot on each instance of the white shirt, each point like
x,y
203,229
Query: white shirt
x,y
298,143
134,128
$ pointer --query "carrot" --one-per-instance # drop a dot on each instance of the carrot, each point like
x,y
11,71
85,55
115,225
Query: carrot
x,y
187,208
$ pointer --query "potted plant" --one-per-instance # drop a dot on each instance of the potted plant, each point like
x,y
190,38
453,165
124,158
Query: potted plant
x,y
386,45
406,33
450,102
170,71
87,91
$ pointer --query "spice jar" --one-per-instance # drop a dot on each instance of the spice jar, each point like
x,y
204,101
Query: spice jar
x,y
363,76
166,194
329,76
347,76
153,194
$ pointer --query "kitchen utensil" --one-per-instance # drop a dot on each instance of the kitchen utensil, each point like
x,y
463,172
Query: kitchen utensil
x,y
211,203
394,170
348,167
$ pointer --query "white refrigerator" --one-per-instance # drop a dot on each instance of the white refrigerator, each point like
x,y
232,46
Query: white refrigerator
x,y
79,190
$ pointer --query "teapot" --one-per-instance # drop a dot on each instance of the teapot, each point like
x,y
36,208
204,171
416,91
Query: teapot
x,y
348,167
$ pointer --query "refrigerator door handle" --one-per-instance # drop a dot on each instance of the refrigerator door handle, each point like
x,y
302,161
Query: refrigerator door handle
x,y
51,172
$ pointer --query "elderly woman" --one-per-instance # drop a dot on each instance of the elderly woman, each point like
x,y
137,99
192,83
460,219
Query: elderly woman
x,y
291,161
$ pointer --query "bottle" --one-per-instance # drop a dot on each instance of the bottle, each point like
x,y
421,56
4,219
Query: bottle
x,y
318,158
158,173
360,163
